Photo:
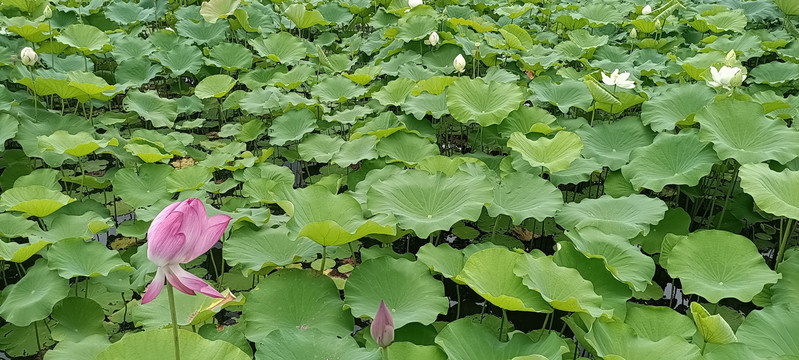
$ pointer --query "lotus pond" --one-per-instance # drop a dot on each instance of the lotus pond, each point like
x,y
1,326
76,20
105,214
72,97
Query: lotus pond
x,y
394,179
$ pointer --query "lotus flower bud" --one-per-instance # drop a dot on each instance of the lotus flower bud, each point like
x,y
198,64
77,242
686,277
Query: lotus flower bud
x,y
459,63
731,58
48,12
658,24
382,328
646,10
414,3
433,38
634,33
28,56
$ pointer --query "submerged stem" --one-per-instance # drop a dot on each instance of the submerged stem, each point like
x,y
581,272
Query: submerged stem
x,y
175,337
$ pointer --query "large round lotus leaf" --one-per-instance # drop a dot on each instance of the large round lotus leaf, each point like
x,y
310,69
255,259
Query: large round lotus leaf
x,y
189,309
18,253
411,293
160,111
522,196
86,38
33,200
555,154
611,143
425,202
159,344
788,7
713,328
231,56
680,159
352,152
86,348
319,147
740,130
614,292
786,290
498,284
12,226
291,126
395,92
299,344
567,94
562,287
717,264
617,340
337,89
212,10
675,103
775,73
625,216
188,178
304,18
80,144
76,257
658,322
254,250
32,298
467,339
448,261
181,59
676,221
142,188
136,72
406,147
486,103
402,350
295,299
78,318
232,334
527,119
624,260
415,28
772,332
124,13
214,86
774,192
330,219
21,342
281,48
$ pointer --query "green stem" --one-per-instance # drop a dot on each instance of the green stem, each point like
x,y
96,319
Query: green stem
x,y
458,294
36,329
727,198
496,224
384,352
502,324
546,320
86,289
174,320
786,235
324,257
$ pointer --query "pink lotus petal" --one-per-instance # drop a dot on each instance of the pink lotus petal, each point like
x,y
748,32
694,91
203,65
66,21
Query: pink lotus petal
x,y
193,223
165,242
163,214
154,288
188,283
382,328
212,231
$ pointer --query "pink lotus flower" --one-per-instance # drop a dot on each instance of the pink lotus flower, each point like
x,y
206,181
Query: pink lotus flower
x,y
382,328
179,234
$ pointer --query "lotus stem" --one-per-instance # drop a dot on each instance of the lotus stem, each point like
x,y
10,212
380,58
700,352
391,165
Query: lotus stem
x,y
175,335
502,324
324,257
384,352
496,225
36,330
727,198
458,308
786,235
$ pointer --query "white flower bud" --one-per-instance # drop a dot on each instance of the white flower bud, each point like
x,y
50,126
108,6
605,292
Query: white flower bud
x,y
459,63
414,3
646,10
28,56
433,38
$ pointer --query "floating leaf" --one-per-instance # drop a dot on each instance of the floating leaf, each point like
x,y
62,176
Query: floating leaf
x,y
773,192
33,297
158,344
486,103
555,154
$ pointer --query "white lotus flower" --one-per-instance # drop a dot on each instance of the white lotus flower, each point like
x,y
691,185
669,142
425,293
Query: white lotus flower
x,y
28,56
725,77
433,39
646,10
459,63
619,80
414,3
47,12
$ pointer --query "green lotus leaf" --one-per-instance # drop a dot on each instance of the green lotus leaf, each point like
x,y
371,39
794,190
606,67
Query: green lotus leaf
x,y
624,260
788,7
425,202
330,219
8,124
740,130
675,221
33,200
280,47
772,191
136,72
786,290
717,264
213,10
298,299
85,38
617,340
303,18
337,89
160,111
395,92
12,226
415,28
188,178
555,154
76,257
319,148
486,103
32,298
675,105
713,328
86,348
158,344
202,32
658,322
725,21
18,253
354,151
467,339
772,332
214,86
522,196
562,287
266,247
612,143
680,159
260,101
230,56
442,259
142,188
626,216
32,31
408,289
181,59
21,341
125,13
293,78
80,144
407,350
567,94
775,73
406,147
526,120
78,318
594,269
499,284
300,344
601,94
189,309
